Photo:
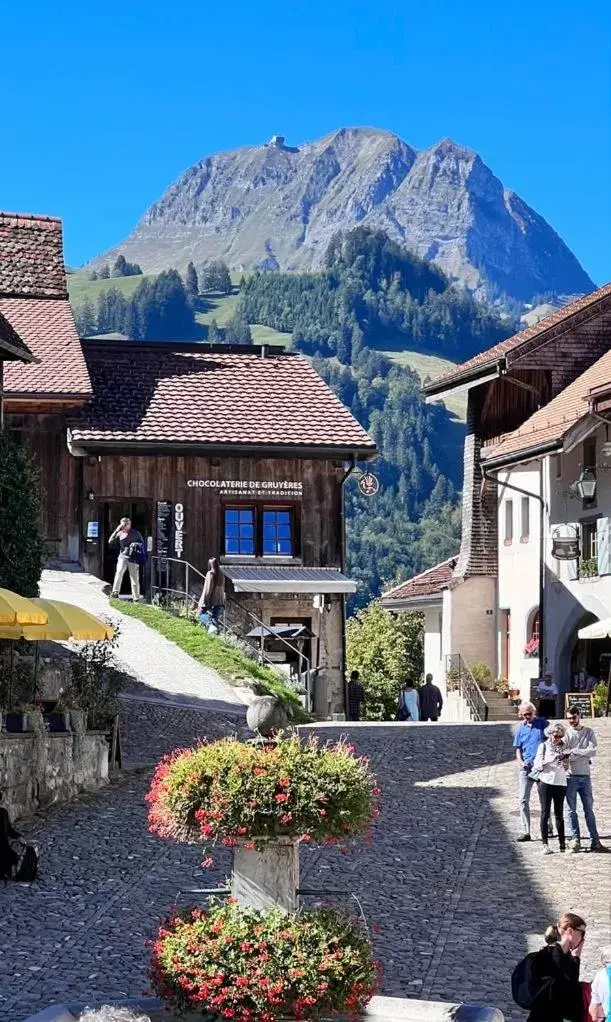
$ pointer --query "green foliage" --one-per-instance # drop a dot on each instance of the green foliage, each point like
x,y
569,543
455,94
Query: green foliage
x,y
215,276
96,683
225,657
122,268
21,542
159,309
237,330
103,272
214,334
600,698
191,282
229,791
225,961
387,649
482,674
85,318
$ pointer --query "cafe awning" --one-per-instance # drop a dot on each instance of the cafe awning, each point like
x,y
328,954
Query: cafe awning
x,y
253,579
597,630
280,632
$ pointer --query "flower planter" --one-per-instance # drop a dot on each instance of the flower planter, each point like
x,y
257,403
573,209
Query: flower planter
x,y
269,878
57,722
16,722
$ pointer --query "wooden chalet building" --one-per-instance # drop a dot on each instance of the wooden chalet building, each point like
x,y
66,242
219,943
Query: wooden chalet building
x,y
239,453
485,604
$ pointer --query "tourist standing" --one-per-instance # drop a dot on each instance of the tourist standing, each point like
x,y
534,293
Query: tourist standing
x,y
132,550
583,747
528,737
547,690
431,700
408,707
212,600
600,1003
356,696
556,989
550,769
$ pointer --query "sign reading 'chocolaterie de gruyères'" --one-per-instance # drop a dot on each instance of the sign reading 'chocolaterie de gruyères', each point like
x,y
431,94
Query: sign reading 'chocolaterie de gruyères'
x,y
249,487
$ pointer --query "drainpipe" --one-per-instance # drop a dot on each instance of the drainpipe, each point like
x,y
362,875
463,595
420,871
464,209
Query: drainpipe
x,y
343,568
487,474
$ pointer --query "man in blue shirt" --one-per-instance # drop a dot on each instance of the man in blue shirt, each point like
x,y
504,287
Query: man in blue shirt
x,y
528,738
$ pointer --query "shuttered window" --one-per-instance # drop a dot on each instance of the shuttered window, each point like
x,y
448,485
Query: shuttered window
x,y
508,522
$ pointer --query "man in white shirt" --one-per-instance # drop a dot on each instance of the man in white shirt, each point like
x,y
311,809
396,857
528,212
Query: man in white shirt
x,y
600,1005
583,746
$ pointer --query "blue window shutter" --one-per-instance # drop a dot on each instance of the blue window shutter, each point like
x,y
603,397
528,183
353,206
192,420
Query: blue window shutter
x,y
604,546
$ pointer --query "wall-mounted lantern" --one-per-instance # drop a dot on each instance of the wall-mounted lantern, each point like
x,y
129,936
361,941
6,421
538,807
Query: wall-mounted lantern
x,y
585,486
565,543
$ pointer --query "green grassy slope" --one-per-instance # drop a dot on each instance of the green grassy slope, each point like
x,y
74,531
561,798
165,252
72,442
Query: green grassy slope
x,y
430,366
80,287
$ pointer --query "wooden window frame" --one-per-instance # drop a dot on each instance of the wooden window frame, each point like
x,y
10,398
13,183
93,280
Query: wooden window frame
x,y
258,507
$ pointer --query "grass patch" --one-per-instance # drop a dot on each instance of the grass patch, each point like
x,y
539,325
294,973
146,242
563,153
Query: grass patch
x,y
215,652
80,287
431,366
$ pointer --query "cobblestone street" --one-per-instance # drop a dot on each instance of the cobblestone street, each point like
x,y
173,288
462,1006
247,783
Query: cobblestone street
x,y
457,902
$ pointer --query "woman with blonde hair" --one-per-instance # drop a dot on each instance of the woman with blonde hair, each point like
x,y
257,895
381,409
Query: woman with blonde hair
x,y
550,770
551,975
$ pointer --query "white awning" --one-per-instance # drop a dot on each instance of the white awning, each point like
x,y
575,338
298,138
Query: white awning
x,y
597,630
251,579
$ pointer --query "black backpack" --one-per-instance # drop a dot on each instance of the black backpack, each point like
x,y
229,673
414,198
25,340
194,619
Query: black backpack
x,y
25,870
526,983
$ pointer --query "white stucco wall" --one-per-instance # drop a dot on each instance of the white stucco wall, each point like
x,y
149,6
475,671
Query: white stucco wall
x,y
433,652
518,582
570,598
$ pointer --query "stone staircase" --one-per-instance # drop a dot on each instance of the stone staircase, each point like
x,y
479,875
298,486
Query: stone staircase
x,y
500,708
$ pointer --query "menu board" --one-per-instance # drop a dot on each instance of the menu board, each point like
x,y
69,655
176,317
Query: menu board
x,y
163,532
584,701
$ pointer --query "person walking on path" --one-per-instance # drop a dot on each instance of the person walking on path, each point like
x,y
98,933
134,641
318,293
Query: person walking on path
x,y
356,696
431,700
212,600
408,707
583,748
547,690
528,737
550,769
600,1002
131,550
555,973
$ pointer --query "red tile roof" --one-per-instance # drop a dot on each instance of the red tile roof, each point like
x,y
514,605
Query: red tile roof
x,y
428,583
11,345
31,256
549,425
46,325
156,394
506,348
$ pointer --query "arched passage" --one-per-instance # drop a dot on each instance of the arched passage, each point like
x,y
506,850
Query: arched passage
x,y
575,655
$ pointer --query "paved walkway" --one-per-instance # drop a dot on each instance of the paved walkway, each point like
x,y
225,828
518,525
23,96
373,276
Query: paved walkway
x,y
456,901
151,659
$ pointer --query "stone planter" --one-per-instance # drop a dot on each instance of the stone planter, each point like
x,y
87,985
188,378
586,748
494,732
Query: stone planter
x,y
57,721
268,878
16,722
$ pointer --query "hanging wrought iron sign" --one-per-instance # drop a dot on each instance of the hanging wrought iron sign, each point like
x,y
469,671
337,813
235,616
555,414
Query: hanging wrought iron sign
x,y
369,484
565,543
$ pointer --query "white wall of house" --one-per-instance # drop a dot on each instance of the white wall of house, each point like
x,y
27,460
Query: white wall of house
x,y
572,593
518,573
433,643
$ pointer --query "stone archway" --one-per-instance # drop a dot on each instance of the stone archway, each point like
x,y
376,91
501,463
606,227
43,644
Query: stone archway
x,y
574,653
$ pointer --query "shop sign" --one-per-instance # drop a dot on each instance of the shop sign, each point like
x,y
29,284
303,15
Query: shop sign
x,y
565,543
163,531
249,487
93,530
369,484
179,524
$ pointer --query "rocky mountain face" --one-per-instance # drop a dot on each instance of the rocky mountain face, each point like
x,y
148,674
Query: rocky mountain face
x,y
277,207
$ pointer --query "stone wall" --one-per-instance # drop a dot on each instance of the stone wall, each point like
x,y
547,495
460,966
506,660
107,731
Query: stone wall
x,y
37,771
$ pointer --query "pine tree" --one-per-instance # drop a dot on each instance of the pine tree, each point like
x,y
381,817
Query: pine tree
x,y
93,275
191,282
237,330
85,318
214,334
118,269
104,272
21,542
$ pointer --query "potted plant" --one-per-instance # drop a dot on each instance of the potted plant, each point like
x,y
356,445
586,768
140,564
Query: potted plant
x,y
482,675
236,963
58,719
588,567
233,792
502,686
531,648
16,720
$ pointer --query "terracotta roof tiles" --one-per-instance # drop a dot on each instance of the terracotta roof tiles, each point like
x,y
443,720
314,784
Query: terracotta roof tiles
x,y
11,344
549,425
160,394
31,256
511,344
47,326
428,583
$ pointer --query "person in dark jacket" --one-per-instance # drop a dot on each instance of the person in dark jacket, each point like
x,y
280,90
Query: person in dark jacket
x,y
356,696
127,538
556,972
431,700
8,856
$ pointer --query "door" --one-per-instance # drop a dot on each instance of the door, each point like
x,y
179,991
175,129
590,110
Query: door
x,y
141,514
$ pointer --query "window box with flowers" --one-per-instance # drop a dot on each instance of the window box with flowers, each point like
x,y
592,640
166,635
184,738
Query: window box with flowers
x,y
531,648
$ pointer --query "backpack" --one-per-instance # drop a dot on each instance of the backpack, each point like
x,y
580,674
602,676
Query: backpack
x,y
25,869
526,984
137,553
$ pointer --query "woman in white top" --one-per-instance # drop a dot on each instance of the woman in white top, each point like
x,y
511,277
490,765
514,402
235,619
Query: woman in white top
x,y
600,1005
547,691
550,769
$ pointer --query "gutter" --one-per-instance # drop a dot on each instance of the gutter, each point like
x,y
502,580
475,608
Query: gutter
x,y
342,484
413,602
518,457
260,450
474,376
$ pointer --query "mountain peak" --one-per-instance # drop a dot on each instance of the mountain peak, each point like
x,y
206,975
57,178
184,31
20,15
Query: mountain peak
x,y
278,205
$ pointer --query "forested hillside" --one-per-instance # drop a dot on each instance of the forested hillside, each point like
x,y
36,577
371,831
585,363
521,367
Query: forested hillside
x,y
372,291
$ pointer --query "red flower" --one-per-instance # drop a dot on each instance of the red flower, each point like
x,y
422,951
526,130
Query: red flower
x,y
281,798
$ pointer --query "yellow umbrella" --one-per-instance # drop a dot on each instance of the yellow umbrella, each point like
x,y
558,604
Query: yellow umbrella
x,y
63,621
16,610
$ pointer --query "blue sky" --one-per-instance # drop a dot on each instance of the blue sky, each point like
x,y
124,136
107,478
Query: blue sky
x,y
103,105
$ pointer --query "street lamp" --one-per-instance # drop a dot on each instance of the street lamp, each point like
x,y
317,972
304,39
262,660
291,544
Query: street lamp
x,y
585,486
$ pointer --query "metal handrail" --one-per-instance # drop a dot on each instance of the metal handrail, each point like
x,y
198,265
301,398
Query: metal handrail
x,y
467,686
